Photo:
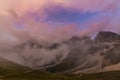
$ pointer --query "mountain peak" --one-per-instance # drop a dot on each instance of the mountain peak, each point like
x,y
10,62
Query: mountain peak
x,y
107,36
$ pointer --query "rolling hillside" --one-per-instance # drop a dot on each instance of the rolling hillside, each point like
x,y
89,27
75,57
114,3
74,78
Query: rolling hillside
x,y
8,67
43,75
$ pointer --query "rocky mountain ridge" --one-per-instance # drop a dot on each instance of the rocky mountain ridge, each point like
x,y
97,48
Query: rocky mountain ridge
x,y
76,55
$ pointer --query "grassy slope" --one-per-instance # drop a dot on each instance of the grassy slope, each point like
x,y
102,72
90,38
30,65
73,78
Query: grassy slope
x,y
10,68
111,75
12,71
43,75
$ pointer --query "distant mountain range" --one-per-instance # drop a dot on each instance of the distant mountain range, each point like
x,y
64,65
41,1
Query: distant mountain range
x,y
76,55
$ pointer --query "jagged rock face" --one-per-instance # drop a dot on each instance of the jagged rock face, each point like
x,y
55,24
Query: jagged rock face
x,y
78,55
107,37
111,57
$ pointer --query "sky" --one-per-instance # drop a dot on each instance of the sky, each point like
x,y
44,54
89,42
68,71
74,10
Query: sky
x,y
56,20
51,21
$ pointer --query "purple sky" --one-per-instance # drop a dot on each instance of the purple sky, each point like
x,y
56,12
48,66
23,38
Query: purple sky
x,y
58,19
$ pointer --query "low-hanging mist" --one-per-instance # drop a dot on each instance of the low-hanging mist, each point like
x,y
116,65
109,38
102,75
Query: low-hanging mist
x,y
35,33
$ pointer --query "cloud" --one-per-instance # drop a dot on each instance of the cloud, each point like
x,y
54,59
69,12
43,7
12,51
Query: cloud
x,y
54,21
27,17
24,6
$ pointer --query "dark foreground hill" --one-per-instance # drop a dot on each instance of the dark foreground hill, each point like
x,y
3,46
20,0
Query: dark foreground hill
x,y
42,75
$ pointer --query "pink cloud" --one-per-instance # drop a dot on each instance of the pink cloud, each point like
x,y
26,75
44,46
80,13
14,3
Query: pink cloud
x,y
17,26
18,12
